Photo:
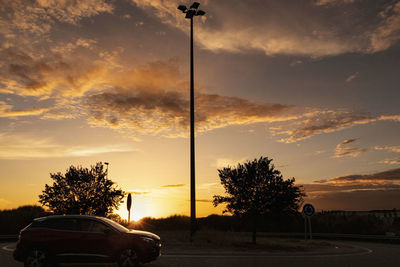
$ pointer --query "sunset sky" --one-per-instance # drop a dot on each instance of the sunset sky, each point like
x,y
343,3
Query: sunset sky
x,y
313,84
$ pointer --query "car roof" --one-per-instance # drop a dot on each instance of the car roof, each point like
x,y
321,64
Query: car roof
x,y
40,219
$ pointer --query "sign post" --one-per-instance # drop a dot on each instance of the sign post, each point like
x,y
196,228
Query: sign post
x,y
308,211
128,206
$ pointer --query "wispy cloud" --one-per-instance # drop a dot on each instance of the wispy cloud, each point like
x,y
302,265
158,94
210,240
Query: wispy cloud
x,y
137,192
388,148
333,2
202,200
347,149
391,161
99,150
352,77
19,146
6,111
225,162
319,121
173,185
387,33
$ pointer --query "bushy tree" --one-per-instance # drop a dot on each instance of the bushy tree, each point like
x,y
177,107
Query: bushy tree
x,y
256,188
82,191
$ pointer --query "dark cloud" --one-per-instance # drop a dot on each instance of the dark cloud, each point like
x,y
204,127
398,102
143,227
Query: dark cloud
x,y
333,2
321,121
153,99
388,31
356,192
357,200
348,187
378,181
309,28
167,111
390,175
173,185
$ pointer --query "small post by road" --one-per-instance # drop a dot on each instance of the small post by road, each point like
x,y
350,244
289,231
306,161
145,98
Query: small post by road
x,y
128,206
308,211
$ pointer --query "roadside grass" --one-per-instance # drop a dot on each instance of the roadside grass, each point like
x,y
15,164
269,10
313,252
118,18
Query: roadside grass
x,y
241,241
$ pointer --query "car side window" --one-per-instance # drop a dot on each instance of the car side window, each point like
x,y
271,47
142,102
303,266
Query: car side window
x,y
91,226
65,224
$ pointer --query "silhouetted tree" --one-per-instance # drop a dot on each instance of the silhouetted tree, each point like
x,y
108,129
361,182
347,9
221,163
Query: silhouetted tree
x,y
256,188
82,191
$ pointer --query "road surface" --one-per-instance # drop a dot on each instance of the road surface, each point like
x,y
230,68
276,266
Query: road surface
x,y
371,254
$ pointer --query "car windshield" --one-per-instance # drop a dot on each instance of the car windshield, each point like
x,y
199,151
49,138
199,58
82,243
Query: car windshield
x,y
116,225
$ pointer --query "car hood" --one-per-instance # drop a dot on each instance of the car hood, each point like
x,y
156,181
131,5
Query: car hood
x,y
144,233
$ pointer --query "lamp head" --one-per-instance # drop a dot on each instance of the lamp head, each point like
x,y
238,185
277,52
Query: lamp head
x,y
200,13
195,5
190,13
182,8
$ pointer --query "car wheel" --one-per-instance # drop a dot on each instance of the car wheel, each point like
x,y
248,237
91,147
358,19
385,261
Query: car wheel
x,y
128,258
36,258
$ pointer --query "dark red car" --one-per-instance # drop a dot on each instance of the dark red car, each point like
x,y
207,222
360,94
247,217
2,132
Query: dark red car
x,y
81,238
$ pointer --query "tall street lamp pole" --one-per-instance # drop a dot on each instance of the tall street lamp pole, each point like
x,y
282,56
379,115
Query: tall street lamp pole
x,y
191,12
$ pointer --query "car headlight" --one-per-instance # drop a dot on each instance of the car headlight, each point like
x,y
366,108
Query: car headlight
x,y
148,240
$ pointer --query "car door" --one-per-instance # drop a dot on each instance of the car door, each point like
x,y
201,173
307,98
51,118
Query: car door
x,y
95,238
62,236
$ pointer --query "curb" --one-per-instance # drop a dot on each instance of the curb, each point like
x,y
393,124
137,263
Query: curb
x,y
336,249
332,236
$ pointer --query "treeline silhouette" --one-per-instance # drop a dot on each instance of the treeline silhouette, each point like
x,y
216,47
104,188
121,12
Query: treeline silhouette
x,y
12,221
321,223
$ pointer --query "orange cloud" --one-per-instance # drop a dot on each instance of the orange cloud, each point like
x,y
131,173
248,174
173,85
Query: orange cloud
x,y
167,112
27,74
173,185
391,161
24,112
38,17
347,149
388,148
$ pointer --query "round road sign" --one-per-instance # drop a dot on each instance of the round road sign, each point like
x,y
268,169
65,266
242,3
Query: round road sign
x,y
308,210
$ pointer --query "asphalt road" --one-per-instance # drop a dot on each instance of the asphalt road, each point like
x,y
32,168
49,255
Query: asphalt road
x,y
373,254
